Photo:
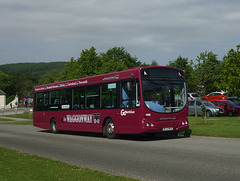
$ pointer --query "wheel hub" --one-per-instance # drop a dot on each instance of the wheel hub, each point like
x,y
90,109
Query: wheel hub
x,y
110,128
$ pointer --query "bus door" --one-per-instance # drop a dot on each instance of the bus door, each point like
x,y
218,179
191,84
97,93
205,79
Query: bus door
x,y
41,106
130,101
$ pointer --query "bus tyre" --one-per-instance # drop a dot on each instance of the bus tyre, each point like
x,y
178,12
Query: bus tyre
x,y
187,133
53,126
109,129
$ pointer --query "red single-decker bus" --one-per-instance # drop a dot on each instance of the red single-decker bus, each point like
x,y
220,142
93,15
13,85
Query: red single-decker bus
x,y
138,100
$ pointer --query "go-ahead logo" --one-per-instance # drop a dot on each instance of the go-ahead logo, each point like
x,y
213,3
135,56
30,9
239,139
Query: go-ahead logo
x,y
125,112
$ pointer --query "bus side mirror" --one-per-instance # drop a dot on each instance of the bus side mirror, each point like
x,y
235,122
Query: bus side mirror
x,y
138,103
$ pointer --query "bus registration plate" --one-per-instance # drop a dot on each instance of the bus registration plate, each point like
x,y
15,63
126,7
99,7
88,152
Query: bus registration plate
x,y
168,129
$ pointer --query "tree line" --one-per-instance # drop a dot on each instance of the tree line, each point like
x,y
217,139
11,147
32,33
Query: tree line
x,y
20,78
208,74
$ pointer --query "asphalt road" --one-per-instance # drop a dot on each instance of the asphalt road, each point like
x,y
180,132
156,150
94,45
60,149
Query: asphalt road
x,y
195,158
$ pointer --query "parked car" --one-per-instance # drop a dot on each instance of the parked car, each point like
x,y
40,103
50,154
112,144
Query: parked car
x,y
211,109
193,96
215,96
230,108
236,100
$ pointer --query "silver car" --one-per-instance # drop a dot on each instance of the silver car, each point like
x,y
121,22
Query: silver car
x,y
211,109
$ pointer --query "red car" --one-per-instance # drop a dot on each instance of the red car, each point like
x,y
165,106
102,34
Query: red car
x,y
215,95
230,108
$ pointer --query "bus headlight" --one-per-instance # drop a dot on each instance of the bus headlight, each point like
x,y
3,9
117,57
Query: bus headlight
x,y
184,123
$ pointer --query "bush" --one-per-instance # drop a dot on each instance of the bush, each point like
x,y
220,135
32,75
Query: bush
x,y
10,98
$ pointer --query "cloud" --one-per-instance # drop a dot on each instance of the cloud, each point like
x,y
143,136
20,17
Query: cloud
x,y
49,30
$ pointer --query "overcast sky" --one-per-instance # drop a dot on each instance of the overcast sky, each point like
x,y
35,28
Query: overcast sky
x,y
161,30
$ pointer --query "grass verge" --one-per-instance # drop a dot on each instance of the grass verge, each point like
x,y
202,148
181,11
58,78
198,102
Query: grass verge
x,y
9,119
5,119
21,166
25,115
216,126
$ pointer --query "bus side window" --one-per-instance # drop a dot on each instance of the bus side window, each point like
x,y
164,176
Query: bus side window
x,y
66,99
92,97
54,99
108,95
78,98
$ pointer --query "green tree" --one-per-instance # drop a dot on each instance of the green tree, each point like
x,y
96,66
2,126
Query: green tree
x,y
71,70
154,63
117,59
49,77
187,66
20,78
4,81
90,63
208,72
203,113
230,79
87,64
22,85
34,69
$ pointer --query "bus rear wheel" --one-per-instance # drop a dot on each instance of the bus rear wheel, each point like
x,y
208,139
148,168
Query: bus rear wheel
x,y
109,129
53,126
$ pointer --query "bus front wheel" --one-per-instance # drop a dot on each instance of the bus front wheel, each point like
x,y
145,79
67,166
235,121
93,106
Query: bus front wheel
x,y
53,126
109,129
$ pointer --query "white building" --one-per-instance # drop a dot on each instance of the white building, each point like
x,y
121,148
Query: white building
x,y
2,99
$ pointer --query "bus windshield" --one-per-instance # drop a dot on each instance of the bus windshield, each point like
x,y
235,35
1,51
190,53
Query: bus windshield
x,y
164,95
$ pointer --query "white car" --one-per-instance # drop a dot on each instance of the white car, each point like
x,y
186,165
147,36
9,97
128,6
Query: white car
x,y
193,96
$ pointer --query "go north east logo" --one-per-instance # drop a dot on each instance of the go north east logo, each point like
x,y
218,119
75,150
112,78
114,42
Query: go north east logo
x,y
82,118
125,112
